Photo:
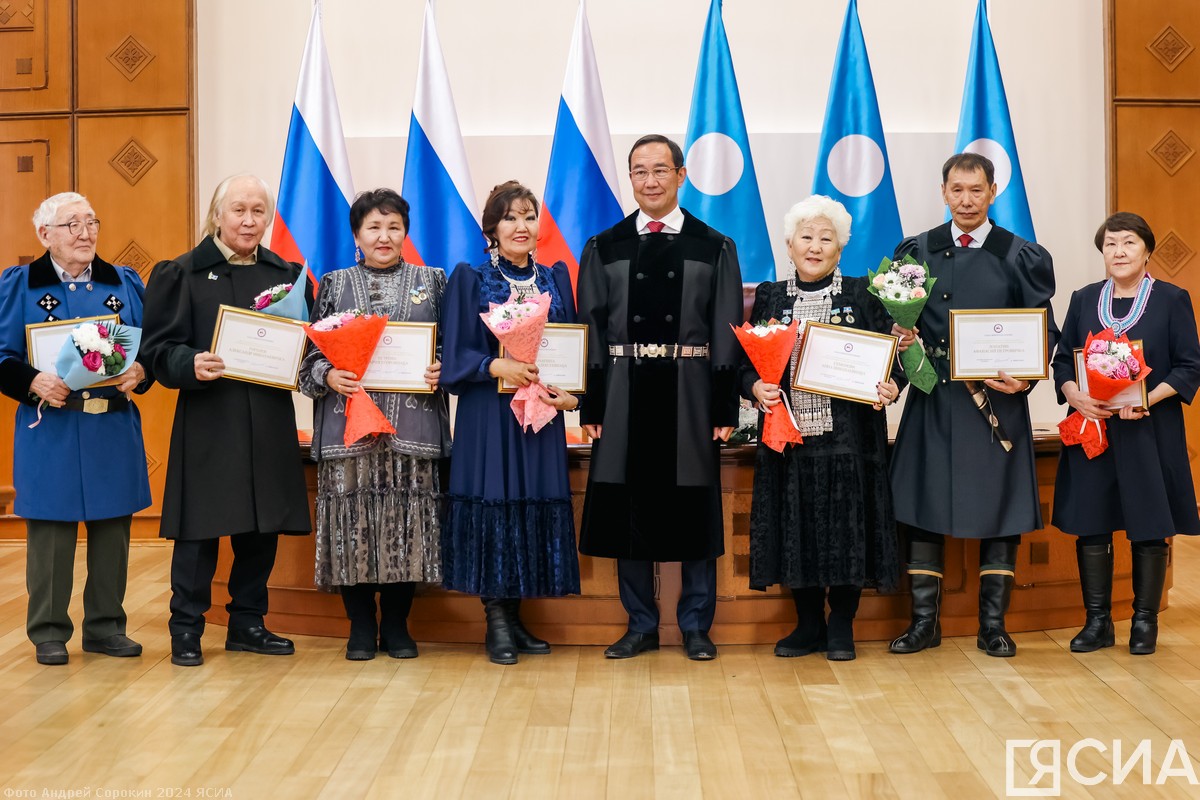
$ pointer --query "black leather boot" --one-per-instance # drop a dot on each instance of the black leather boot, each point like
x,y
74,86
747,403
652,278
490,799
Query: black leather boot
x,y
500,644
527,643
809,635
359,601
843,605
1095,583
395,601
1149,575
925,571
997,573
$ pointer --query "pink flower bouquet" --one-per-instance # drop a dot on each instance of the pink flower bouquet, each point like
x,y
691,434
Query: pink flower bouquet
x,y
284,300
519,325
1112,364
97,352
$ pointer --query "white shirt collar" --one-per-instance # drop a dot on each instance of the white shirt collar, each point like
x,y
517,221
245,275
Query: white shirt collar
x,y
977,236
672,222
65,276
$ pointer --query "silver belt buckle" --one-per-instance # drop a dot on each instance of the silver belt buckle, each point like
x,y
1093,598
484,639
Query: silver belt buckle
x,y
95,405
651,350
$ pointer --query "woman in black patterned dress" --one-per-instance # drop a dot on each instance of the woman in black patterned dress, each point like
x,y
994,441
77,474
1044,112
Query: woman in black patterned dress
x,y
821,520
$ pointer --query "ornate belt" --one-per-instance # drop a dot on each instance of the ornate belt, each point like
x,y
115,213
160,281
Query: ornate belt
x,y
96,405
658,350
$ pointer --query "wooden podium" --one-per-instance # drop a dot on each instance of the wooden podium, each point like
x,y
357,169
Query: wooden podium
x,y
1046,595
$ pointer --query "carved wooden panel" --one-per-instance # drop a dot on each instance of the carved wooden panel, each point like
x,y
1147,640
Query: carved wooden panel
x,y
35,162
135,54
35,56
129,168
1153,48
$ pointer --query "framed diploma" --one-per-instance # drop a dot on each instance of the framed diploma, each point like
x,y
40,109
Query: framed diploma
x,y
844,362
44,340
404,351
562,360
259,348
986,341
1133,395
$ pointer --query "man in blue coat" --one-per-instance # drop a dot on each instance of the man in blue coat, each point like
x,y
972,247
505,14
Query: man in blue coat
x,y
84,461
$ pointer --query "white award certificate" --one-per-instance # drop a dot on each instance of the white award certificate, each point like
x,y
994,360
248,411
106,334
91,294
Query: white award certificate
x,y
259,348
404,351
844,362
562,359
986,341
1133,395
44,341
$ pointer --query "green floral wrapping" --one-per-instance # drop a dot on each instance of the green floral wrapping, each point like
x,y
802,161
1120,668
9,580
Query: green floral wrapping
x,y
891,283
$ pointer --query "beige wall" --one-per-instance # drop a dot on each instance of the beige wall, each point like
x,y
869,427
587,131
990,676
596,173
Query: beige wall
x,y
506,60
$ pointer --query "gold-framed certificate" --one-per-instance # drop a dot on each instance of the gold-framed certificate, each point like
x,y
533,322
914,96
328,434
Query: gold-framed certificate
x,y
986,341
44,341
1133,395
404,351
844,362
562,359
259,348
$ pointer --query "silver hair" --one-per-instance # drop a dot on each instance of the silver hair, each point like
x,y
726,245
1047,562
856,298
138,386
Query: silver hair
x,y
47,212
218,200
812,207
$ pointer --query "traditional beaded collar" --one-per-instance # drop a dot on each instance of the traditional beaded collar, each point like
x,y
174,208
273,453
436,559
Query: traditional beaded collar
x,y
1104,306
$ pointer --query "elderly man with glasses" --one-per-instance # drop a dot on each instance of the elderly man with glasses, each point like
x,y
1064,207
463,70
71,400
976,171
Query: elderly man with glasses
x,y
84,461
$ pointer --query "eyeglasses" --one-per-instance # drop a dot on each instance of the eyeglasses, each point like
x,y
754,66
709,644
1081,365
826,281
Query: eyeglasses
x,y
659,173
75,226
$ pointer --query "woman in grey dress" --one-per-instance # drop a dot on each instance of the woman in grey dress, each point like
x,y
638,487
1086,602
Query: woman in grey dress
x,y
378,498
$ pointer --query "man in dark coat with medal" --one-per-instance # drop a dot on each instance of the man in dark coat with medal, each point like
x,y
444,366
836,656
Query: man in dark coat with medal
x,y
659,291
963,464
234,468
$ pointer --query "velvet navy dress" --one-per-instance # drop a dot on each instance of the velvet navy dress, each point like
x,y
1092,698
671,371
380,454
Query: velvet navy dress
x,y
510,528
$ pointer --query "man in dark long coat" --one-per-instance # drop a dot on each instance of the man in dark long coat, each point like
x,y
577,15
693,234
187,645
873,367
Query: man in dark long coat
x,y
659,291
234,468
951,473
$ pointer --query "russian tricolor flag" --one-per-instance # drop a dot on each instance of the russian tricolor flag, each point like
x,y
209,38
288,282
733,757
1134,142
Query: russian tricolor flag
x,y
581,186
312,220
444,219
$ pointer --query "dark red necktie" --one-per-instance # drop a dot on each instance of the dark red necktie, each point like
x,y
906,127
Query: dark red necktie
x,y
654,226
965,240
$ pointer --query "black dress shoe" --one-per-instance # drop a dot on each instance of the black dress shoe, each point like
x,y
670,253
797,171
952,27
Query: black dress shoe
x,y
51,653
118,645
698,646
631,644
258,640
185,650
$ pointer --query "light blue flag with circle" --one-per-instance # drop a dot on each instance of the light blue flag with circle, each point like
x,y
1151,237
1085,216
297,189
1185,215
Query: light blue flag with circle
x,y
852,161
721,188
985,127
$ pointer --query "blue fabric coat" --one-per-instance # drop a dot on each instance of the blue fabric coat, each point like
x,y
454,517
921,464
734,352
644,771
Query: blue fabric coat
x,y
73,466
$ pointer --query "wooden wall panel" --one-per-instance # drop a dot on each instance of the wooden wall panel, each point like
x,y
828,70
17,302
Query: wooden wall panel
x,y
35,56
1154,129
1154,45
128,166
135,55
35,162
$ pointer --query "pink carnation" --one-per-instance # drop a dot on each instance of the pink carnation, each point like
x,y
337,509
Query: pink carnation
x,y
93,361
1098,346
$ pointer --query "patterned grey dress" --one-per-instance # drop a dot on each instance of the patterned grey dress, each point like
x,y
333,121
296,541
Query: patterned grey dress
x,y
378,499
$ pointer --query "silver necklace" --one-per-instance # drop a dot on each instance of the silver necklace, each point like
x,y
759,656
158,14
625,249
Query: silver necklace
x,y
522,289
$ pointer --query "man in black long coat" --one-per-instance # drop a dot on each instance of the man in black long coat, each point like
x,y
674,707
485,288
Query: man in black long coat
x,y
234,468
951,476
659,291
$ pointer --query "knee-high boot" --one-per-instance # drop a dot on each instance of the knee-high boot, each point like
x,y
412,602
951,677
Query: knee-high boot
x,y
1149,575
1095,583
843,605
997,573
499,642
359,601
925,571
809,635
527,643
395,601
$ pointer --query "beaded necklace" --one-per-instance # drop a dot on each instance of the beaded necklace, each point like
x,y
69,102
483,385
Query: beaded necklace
x,y
1104,306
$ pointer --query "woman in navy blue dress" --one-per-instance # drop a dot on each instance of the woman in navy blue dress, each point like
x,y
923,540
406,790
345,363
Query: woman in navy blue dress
x,y
1142,483
510,529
